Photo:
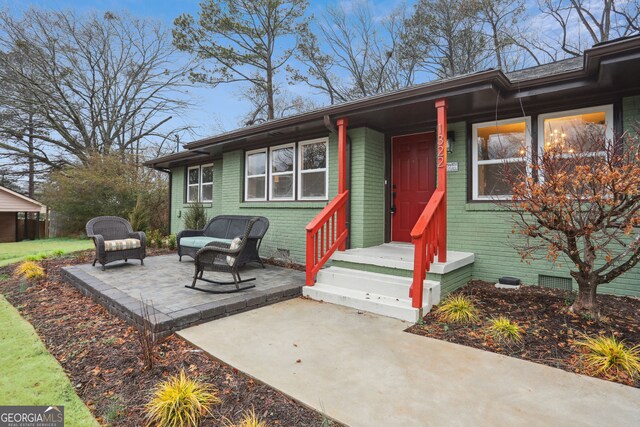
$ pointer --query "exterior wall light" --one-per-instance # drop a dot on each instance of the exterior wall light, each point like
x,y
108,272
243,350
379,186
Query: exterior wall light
x,y
451,138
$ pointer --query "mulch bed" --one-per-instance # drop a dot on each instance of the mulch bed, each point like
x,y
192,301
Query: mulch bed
x,y
550,328
101,355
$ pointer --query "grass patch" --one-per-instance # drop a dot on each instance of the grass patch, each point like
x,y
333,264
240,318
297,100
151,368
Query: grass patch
x,y
38,249
29,375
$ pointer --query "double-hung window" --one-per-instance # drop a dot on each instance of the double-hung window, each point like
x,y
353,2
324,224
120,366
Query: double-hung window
x,y
193,184
206,183
255,185
282,160
581,132
294,171
500,149
312,174
200,183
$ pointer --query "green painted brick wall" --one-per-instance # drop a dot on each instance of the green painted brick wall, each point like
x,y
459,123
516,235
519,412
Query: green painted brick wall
x,y
367,188
485,230
288,219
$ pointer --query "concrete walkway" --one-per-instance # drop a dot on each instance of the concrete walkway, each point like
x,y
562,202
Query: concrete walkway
x,y
363,370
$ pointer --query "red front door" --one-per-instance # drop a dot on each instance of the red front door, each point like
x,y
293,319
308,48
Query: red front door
x,y
413,181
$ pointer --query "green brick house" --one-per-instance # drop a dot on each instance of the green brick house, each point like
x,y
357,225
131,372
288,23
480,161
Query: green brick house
x,y
351,183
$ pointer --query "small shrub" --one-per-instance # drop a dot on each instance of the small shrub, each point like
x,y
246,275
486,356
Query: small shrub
x,y
172,243
504,330
155,238
139,217
36,257
611,357
3,277
195,217
30,270
180,402
249,419
457,309
57,253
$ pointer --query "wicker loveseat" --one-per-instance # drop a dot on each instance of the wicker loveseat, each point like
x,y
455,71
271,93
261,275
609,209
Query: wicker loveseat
x,y
223,229
115,240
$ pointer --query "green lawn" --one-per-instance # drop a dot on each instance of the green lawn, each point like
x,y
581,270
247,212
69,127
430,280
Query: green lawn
x,y
29,375
14,252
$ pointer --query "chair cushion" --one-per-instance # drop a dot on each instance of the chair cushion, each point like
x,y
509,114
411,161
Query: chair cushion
x,y
201,241
121,244
235,244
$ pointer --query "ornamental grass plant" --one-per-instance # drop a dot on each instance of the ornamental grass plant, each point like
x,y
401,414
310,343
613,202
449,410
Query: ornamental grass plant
x,y
457,308
180,402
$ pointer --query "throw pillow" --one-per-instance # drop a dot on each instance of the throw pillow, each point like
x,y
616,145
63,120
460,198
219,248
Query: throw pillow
x,y
235,244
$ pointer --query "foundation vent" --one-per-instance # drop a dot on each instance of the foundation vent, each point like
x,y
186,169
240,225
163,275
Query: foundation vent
x,y
555,282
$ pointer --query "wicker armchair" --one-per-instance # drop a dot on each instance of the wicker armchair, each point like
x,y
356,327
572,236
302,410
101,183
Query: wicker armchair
x,y
115,240
218,256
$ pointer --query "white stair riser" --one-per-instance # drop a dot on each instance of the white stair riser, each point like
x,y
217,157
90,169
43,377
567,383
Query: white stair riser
x,y
375,283
365,284
408,314
401,257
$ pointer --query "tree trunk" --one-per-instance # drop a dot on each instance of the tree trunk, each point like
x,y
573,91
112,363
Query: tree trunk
x,y
270,102
32,169
586,301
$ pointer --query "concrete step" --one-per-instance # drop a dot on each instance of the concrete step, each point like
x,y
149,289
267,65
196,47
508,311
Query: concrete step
x,y
365,301
397,258
375,283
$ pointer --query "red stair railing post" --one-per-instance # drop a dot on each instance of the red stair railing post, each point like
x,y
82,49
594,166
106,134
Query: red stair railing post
x,y
441,106
310,259
342,176
419,267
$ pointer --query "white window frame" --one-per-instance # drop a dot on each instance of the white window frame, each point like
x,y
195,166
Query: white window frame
x,y
293,173
608,114
197,185
202,184
476,163
301,144
247,176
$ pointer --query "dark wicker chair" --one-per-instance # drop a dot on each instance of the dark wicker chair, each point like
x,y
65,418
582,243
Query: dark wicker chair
x,y
115,240
214,257
228,227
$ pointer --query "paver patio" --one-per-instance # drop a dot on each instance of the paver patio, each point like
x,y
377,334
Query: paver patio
x,y
162,281
364,370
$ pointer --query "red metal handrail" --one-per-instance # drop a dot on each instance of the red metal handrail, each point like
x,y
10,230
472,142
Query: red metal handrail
x,y
326,233
426,236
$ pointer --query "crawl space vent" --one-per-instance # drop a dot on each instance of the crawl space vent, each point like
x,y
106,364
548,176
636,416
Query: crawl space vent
x,y
554,282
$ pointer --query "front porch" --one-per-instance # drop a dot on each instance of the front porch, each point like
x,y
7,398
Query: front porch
x,y
389,279
377,279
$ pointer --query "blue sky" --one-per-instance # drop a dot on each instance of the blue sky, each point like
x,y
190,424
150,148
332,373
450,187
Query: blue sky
x,y
220,109
215,109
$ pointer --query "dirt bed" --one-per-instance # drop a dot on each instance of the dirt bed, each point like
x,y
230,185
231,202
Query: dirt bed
x,y
101,355
550,328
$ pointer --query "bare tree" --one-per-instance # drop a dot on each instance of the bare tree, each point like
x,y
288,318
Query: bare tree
x,y
584,23
585,207
95,84
241,41
451,38
499,20
352,55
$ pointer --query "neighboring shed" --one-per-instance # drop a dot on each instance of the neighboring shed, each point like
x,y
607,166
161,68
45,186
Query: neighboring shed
x,y
14,222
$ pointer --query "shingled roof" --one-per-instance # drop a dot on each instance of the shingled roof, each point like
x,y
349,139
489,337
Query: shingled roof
x,y
545,70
